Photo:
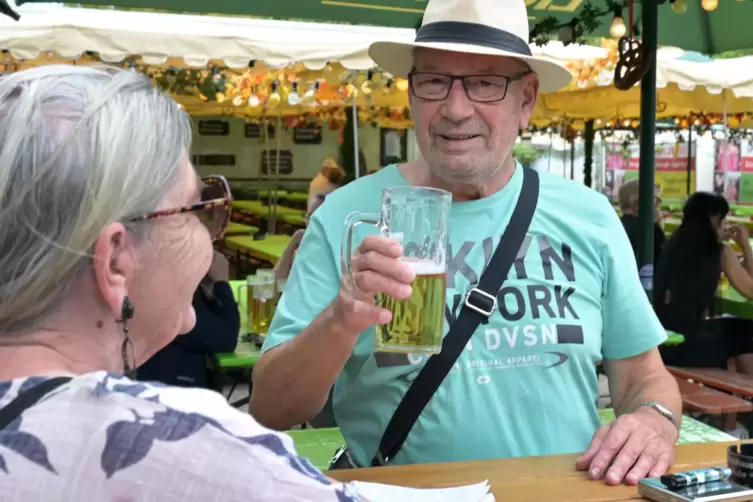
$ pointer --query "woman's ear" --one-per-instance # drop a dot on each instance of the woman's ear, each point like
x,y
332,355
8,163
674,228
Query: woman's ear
x,y
113,264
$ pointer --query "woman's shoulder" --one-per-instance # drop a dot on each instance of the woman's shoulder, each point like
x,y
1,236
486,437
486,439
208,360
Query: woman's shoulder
x,y
158,437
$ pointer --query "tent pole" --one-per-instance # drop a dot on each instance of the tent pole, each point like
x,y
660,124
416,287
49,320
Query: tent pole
x,y
354,110
646,196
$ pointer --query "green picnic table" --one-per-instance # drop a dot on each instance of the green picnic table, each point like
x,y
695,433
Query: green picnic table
x,y
234,228
733,303
319,445
262,210
673,339
671,224
294,219
296,196
246,354
270,248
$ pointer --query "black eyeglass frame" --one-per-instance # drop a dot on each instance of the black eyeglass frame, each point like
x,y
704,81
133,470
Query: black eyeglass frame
x,y
462,78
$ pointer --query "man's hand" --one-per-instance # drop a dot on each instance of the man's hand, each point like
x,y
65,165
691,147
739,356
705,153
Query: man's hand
x,y
376,267
636,445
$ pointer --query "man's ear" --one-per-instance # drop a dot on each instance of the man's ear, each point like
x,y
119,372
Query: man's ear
x,y
529,95
114,264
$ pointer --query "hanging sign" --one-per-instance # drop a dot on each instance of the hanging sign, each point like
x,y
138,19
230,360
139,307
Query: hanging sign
x,y
307,135
214,128
733,170
270,165
670,177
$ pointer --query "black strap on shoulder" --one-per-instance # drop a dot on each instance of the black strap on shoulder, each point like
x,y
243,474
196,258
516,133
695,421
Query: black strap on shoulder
x,y
29,398
480,303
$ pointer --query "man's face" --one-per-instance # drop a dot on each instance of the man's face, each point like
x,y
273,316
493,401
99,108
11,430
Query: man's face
x,y
462,140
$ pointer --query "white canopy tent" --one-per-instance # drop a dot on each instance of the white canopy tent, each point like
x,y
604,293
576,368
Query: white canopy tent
x,y
115,35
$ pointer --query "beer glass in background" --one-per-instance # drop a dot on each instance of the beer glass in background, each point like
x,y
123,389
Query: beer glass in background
x,y
260,296
419,219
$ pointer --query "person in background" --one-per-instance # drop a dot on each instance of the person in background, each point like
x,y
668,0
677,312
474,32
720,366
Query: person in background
x,y
104,246
627,199
685,285
331,177
285,264
184,361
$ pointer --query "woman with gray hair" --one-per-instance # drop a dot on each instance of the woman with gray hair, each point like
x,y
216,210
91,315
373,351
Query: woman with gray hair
x,y
107,233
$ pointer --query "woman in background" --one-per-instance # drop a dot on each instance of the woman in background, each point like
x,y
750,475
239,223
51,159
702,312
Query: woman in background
x,y
685,285
184,361
330,178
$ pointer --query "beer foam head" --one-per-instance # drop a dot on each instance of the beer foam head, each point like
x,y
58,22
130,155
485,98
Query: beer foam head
x,y
425,267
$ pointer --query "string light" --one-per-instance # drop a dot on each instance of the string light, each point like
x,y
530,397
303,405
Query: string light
x,y
680,6
253,100
366,86
293,98
274,97
618,28
309,97
709,5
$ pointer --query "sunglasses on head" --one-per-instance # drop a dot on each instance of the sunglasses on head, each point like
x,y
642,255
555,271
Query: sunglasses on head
x,y
213,210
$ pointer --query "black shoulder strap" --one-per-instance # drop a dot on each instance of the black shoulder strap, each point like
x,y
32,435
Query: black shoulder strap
x,y
27,399
480,303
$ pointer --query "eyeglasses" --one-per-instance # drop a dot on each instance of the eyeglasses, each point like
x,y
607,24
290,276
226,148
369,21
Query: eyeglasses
x,y
213,210
478,88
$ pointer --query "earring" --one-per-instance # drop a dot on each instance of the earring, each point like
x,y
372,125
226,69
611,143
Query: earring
x,y
126,314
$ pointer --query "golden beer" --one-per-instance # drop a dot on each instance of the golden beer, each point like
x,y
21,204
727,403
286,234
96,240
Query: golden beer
x,y
417,323
260,312
260,303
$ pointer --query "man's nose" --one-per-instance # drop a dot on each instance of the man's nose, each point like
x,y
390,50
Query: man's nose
x,y
457,107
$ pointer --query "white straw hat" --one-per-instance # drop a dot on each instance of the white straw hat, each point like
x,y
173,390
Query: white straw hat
x,y
494,27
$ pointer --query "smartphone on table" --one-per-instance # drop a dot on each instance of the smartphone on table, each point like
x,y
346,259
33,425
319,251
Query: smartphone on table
x,y
725,490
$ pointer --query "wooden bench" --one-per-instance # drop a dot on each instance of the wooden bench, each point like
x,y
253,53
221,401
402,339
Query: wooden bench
x,y
702,399
728,381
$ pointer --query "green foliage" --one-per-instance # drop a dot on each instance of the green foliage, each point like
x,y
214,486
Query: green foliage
x,y
525,153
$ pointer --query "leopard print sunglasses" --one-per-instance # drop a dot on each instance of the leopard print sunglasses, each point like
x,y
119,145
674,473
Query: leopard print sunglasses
x,y
213,210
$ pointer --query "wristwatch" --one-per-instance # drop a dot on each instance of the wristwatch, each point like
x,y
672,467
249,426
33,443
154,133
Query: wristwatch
x,y
662,410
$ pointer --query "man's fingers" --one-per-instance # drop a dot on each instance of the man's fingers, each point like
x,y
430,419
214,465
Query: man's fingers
x,y
382,245
634,450
662,465
645,463
583,462
382,264
360,313
611,445
371,282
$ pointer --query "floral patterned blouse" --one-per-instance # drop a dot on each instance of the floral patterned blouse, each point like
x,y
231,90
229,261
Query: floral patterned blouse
x,y
105,437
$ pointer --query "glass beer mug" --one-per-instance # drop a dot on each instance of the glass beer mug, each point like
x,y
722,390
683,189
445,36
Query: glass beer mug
x,y
419,219
260,300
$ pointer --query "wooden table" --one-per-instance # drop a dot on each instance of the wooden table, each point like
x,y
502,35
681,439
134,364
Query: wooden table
x,y
533,479
319,445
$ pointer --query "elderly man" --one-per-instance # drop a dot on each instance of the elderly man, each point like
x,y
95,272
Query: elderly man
x,y
514,391
627,198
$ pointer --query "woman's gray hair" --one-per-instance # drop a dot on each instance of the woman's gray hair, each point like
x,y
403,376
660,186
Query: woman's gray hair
x,y
80,148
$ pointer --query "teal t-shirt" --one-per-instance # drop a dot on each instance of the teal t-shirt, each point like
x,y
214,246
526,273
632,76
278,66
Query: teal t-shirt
x,y
526,384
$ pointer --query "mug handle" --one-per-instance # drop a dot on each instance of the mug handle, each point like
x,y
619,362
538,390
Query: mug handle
x,y
351,222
